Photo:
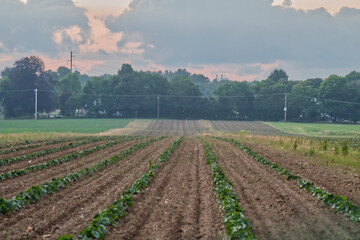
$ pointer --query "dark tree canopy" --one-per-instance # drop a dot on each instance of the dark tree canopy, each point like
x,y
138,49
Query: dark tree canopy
x,y
26,75
278,74
179,95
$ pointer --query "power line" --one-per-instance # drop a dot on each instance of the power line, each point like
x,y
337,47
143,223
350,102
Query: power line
x,y
185,96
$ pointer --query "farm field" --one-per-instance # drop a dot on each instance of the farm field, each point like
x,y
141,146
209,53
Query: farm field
x,y
61,125
318,130
172,179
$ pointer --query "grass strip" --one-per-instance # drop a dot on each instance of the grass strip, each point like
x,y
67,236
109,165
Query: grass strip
x,y
63,159
48,151
338,203
36,192
108,217
238,227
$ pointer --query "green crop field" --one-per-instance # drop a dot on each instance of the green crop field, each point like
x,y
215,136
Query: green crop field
x,y
319,130
61,125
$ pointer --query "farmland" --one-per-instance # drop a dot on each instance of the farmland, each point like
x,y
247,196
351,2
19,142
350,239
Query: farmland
x,y
173,179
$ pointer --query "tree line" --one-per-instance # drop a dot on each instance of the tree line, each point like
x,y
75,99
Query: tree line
x,y
177,95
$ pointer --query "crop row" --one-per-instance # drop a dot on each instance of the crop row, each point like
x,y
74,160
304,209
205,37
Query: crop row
x,y
338,203
97,227
60,160
48,151
36,192
38,144
238,227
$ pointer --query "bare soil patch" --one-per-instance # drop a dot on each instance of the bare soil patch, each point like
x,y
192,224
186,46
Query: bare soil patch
x,y
247,126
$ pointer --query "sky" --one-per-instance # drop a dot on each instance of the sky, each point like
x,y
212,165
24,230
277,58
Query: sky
x,y
239,39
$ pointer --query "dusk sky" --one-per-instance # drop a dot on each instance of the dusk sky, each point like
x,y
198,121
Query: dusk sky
x,y
240,39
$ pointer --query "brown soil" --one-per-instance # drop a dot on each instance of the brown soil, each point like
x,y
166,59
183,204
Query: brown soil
x,y
336,181
173,128
47,157
252,127
275,207
11,187
33,150
178,204
71,209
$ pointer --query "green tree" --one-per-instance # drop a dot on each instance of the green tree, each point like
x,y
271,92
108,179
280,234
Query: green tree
x,y
26,75
185,100
333,89
62,72
236,101
69,90
302,102
278,74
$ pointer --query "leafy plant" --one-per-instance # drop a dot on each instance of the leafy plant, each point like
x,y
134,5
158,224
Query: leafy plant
x,y
47,151
238,227
295,145
97,227
344,148
324,145
338,203
63,159
311,151
35,192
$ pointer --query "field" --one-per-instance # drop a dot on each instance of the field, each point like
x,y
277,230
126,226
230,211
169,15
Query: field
x,y
319,130
172,179
61,125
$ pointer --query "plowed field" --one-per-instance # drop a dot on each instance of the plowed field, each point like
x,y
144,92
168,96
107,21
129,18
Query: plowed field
x,y
180,201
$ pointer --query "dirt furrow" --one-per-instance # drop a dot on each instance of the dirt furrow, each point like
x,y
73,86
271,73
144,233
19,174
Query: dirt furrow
x,y
11,187
342,183
33,150
178,204
47,157
277,208
70,210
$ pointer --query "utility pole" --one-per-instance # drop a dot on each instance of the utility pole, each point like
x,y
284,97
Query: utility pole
x,y
71,61
285,108
158,107
36,102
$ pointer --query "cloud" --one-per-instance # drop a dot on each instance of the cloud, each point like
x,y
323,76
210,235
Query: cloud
x,y
249,32
45,26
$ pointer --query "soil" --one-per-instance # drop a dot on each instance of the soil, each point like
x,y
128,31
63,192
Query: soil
x,y
275,207
252,127
31,150
28,162
334,180
11,187
178,204
71,209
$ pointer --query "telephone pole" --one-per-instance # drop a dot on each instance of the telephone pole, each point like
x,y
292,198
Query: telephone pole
x,y
158,106
71,61
285,108
36,102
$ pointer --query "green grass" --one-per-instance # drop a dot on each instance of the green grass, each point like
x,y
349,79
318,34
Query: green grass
x,y
319,130
61,125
